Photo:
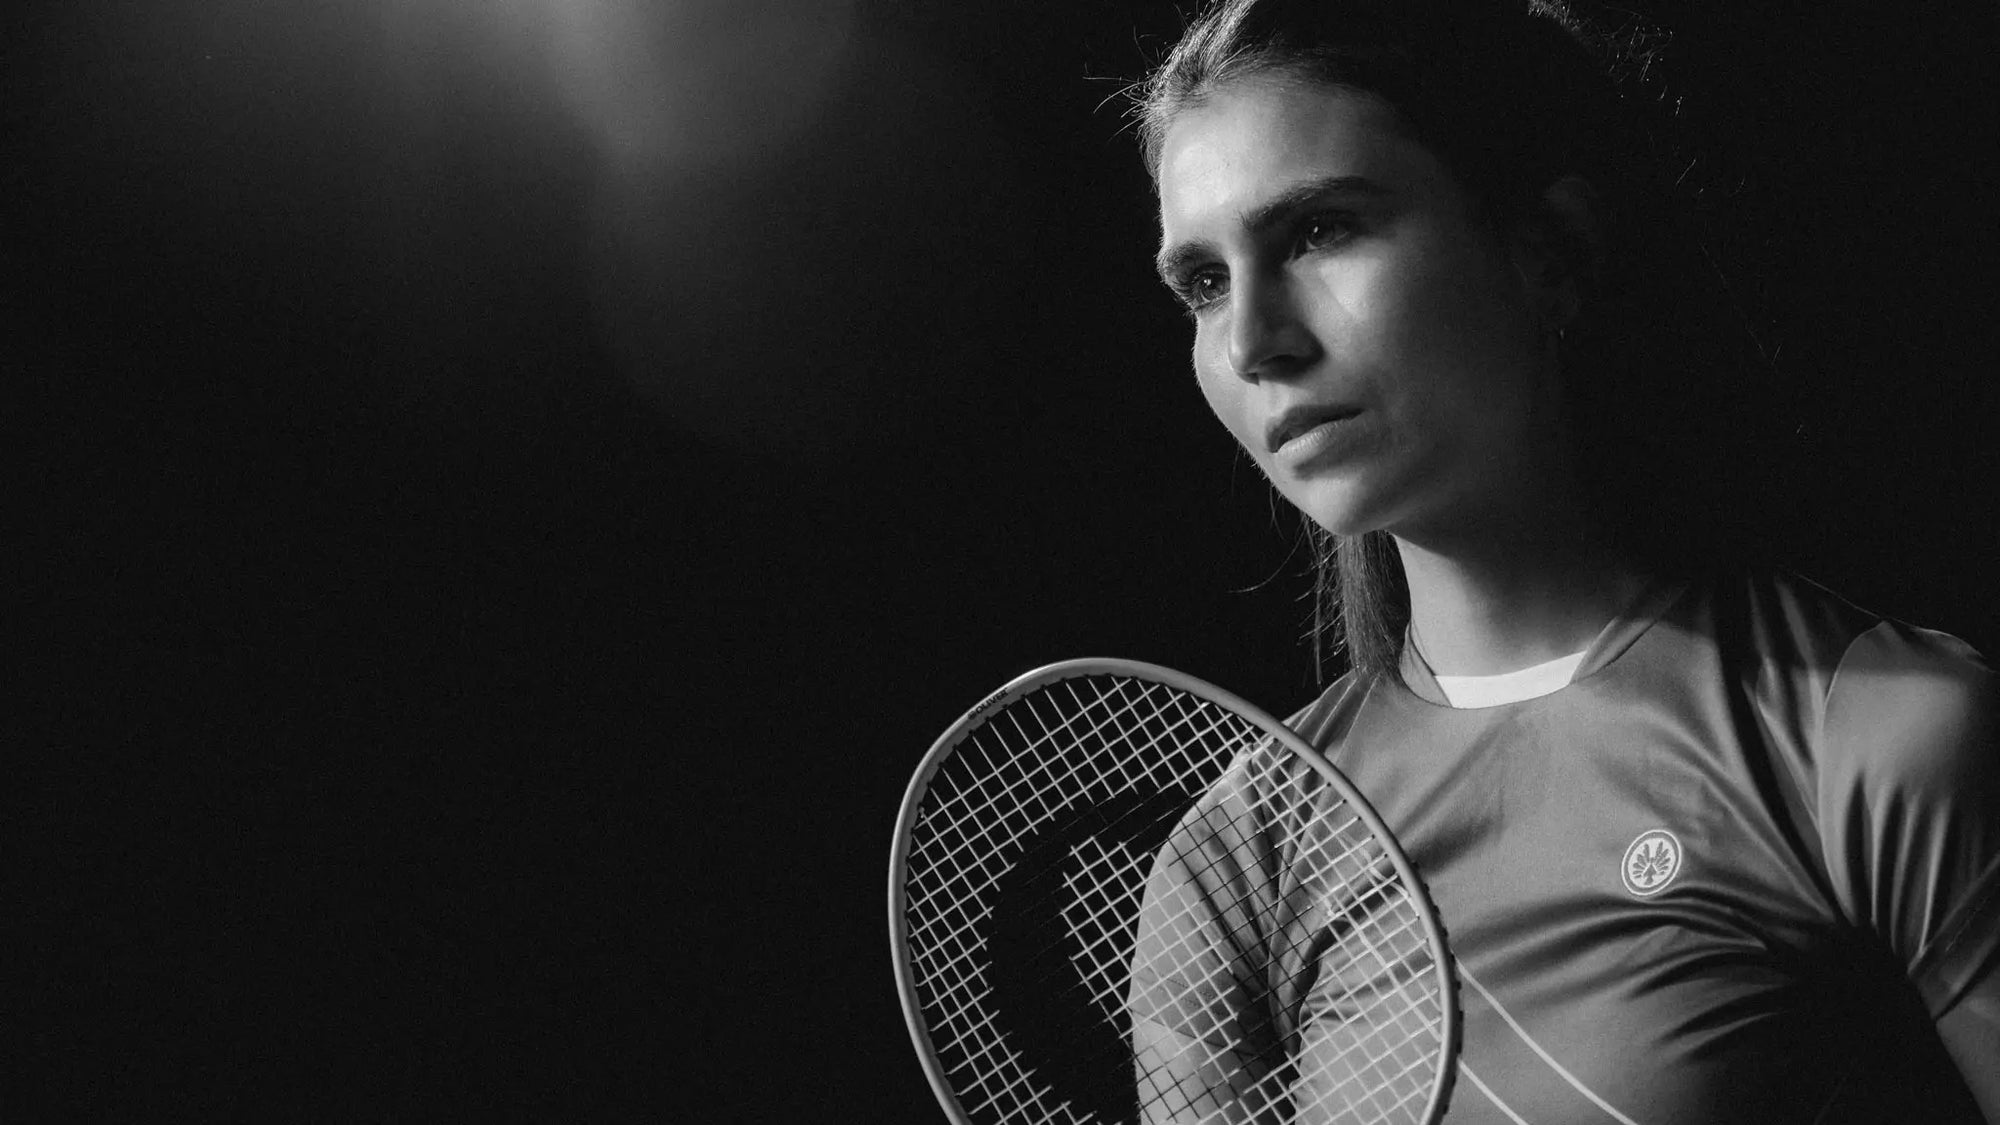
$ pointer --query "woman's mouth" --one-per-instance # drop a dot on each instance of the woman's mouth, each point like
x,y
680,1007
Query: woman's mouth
x,y
1305,424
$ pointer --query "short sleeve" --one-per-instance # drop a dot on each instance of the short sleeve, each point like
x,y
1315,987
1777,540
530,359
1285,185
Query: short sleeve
x,y
1909,799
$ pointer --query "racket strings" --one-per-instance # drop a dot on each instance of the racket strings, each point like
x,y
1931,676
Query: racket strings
x,y
1118,769
1391,1024
1040,775
971,832
1107,886
974,804
1030,785
1090,743
1099,928
1117,737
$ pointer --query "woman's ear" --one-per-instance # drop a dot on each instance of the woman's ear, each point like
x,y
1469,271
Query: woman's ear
x,y
1559,248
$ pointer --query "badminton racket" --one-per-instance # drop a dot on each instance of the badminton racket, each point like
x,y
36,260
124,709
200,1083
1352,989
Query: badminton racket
x,y
1120,894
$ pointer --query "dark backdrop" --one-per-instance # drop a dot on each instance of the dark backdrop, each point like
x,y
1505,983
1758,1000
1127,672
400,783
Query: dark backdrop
x,y
509,491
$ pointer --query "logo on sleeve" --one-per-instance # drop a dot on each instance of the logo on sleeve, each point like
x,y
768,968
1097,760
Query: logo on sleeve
x,y
1651,862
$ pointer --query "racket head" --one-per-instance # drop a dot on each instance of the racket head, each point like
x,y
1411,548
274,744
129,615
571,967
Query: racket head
x,y
1100,748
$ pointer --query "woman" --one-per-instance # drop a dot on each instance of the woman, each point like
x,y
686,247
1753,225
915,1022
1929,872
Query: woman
x,y
1712,845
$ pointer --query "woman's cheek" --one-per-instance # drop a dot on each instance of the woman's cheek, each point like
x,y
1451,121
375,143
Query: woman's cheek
x,y
1220,388
1359,288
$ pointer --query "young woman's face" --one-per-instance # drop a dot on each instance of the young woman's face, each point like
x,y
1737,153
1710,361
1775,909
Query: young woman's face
x,y
1376,346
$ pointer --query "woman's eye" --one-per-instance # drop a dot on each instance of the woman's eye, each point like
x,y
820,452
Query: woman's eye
x,y
1325,230
1204,289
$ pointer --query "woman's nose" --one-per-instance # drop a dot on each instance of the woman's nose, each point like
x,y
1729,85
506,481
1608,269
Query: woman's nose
x,y
1268,333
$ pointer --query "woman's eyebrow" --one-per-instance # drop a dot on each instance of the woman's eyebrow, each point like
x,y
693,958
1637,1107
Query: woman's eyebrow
x,y
1171,261
1273,212
1281,207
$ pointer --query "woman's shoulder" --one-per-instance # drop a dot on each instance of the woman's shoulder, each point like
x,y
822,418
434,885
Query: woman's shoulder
x,y
1885,713
1321,722
1901,771
1915,711
1794,624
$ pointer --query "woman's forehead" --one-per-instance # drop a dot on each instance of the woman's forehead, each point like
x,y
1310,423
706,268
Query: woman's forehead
x,y
1259,137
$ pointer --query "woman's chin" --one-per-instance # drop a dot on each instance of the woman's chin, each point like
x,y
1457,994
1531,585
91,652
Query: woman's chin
x,y
1339,511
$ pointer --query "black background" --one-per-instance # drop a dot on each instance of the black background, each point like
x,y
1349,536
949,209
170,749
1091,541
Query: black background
x,y
487,574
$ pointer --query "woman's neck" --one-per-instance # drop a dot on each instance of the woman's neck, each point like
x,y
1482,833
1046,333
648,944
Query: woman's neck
x,y
1506,604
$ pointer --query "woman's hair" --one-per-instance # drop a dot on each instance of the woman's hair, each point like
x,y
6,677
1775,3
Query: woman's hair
x,y
1513,95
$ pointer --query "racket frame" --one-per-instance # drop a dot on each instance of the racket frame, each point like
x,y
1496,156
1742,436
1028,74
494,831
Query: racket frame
x,y
973,719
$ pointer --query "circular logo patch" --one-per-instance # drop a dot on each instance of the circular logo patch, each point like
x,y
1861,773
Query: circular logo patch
x,y
1651,862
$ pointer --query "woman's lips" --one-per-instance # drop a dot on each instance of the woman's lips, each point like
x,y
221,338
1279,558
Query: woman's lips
x,y
1305,422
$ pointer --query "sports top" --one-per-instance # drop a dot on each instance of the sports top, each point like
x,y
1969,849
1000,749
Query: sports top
x,y
1745,867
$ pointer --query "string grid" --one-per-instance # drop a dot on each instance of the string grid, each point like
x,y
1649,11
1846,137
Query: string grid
x,y
1126,903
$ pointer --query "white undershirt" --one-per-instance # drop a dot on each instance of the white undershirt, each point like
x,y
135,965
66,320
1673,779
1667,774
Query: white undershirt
x,y
1510,687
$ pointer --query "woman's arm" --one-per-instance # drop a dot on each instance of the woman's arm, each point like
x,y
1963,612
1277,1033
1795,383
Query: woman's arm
x,y
1204,1037
1909,806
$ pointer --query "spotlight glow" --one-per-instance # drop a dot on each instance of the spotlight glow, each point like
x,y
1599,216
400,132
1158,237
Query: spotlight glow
x,y
691,84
